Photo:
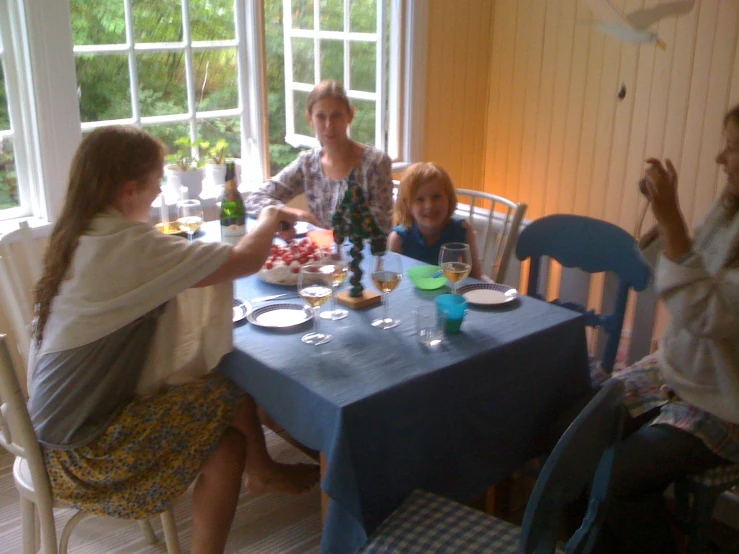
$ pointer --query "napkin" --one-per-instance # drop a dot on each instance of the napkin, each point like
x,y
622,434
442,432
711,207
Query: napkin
x,y
193,334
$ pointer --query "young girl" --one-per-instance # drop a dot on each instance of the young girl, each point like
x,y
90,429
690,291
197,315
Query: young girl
x,y
321,173
423,217
107,277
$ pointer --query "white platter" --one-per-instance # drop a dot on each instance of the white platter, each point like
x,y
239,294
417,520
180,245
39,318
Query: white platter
x,y
241,309
280,316
488,294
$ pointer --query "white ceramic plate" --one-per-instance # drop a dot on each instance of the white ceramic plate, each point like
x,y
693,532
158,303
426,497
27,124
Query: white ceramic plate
x,y
488,294
242,308
280,316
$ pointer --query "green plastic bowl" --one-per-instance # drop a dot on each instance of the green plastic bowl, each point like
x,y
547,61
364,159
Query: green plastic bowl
x,y
421,277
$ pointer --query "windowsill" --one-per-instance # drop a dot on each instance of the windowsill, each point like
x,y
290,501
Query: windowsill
x,y
40,227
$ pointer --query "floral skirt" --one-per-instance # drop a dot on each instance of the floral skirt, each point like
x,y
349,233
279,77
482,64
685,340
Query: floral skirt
x,y
645,390
150,454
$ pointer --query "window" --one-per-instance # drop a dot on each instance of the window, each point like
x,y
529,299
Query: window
x,y
201,69
13,189
343,40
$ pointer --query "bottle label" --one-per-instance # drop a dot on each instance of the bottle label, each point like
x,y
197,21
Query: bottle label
x,y
231,234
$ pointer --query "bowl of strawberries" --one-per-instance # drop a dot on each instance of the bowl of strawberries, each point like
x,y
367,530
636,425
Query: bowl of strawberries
x,y
284,261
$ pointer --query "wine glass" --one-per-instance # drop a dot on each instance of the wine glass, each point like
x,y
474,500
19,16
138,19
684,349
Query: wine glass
x,y
386,274
189,216
455,260
315,288
335,259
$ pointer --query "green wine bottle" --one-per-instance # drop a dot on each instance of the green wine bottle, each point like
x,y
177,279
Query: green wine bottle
x,y
233,213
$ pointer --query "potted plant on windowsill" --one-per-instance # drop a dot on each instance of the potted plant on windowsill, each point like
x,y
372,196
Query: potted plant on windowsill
x,y
215,167
185,166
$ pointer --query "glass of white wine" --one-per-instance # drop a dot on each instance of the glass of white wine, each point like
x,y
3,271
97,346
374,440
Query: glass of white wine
x,y
455,260
335,261
189,216
315,285
386,274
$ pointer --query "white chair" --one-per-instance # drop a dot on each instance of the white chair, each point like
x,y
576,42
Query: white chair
x,y
31,480
20,269
497,221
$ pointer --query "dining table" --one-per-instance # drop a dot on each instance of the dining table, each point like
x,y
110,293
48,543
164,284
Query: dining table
x,y
389,414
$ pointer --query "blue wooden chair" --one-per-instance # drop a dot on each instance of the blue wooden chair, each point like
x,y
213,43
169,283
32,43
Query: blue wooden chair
x,y
593,246
431,524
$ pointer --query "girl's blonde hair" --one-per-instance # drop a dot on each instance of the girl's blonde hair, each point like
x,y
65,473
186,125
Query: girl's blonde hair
x,y
420,174
327,89
105,159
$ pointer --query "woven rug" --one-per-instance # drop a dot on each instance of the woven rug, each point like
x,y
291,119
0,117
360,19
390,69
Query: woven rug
x,y
264,524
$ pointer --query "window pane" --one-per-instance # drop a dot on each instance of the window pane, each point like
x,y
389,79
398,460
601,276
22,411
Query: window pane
x,y
280,153
332,15
4,116
332,60
169,133
97,22
8,182
363,16
103,87
363,56
216,72
363,126
302,12
228,129
157,20
303,69
300,100
212,20
162,83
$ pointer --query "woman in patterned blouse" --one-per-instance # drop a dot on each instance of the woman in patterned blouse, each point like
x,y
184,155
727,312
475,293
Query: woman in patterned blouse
x,y
321,173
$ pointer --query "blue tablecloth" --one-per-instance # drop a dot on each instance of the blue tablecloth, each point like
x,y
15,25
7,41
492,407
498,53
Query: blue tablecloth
x,y
390,415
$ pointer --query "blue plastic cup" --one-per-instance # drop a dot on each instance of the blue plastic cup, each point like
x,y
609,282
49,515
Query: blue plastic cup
x,y
454,308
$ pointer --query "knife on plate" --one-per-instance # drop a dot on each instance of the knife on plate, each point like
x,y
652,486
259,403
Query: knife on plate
x,y
275,297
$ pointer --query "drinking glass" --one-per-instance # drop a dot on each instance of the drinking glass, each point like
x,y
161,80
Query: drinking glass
x,y
189,216
456,262
386,274
315,287
336,260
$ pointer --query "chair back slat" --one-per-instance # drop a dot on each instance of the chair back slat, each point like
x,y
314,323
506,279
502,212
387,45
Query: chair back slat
x,y
20,268
582,458
593,246
497,221
19,438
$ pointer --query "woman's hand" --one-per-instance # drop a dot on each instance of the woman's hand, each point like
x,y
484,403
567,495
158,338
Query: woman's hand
x,y
661,184
299,215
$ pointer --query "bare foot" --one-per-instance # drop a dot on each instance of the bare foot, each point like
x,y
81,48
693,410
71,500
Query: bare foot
x,y
283,478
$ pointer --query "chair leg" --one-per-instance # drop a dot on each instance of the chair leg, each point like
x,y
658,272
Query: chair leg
x,y
36,529
67,531
170,532
700,528
148,532
28,526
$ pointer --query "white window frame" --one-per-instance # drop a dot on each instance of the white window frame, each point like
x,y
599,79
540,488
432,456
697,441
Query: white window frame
x,y
347,37
46,120
13,55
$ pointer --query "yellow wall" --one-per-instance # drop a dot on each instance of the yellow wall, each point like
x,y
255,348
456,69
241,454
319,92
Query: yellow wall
x,y
559,138
457,83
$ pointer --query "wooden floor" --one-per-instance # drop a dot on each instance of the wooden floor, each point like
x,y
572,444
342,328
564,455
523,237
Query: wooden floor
x,y
264,524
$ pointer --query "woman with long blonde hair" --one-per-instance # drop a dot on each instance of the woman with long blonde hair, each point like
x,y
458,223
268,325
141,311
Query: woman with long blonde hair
x,y
108,276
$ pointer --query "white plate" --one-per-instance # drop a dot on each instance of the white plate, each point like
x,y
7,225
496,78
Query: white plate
x,y
488,294
280,316
241,308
